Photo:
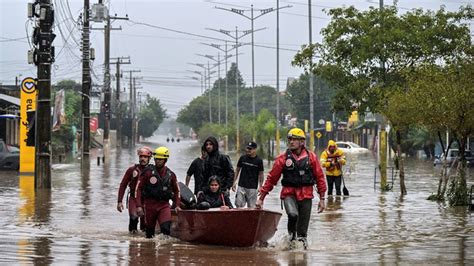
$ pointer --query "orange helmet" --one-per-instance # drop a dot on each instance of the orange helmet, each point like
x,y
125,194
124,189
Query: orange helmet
x,y
145,151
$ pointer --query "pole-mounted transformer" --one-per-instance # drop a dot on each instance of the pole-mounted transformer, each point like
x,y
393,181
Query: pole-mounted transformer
x,y
42,55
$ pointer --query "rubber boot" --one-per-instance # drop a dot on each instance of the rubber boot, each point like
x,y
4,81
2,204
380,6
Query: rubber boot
x,y
165,228
142,224
304,241
150,232
132,225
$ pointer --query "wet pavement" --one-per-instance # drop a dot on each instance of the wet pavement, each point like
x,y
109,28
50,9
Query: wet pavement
x,y
76,222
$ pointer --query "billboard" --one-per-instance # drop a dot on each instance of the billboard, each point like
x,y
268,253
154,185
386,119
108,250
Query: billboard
x,y
27,125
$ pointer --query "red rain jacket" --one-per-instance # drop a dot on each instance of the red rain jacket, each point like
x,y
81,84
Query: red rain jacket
x,y
300,193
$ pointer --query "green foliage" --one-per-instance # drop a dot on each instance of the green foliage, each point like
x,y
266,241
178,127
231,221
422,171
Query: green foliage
x,y
369,57
435,197
61,139
196,113
356,43
457,193
298,98
150,117
447,95
214,130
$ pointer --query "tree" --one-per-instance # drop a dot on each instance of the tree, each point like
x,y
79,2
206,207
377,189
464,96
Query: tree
x,y
150,117
62,138
447,93
298,97
196,113
365,53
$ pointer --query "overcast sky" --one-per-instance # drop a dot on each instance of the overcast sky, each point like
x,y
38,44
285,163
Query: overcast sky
x,y
163,56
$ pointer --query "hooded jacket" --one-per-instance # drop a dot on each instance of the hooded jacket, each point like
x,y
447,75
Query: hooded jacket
x,y
217,164
215,199
333,162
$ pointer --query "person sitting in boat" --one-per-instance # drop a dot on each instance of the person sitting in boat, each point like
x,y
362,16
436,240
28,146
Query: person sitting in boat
x,y
130,179
213,197
156,187
217,164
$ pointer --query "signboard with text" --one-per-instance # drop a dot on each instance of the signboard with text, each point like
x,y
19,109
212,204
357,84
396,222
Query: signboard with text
x,y
27,125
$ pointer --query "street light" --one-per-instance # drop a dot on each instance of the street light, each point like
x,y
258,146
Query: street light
x,y
207,75
218,62
225,50
199,79
236,47
252,18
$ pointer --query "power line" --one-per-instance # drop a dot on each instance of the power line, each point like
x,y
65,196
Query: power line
x,y
5,39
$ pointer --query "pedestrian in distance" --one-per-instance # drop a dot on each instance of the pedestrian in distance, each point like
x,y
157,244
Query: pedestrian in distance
x,y
217,164
196,169
130,179
301,171
156,187
332,159
248,177
213,197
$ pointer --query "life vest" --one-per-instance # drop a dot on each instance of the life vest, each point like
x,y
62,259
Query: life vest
x,y
333,159
297,174
158,187
136,173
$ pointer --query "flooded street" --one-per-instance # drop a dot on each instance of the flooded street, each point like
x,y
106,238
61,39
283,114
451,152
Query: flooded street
x,y
77,221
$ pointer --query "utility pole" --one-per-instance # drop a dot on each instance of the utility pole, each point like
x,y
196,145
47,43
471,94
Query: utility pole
x,y
383,133
118,104
209,91
131,141
252,18
311,90
226,56
201,78
207,78
135,134
107,91
86,86
217,63
43,39
277,136
219,88
236,38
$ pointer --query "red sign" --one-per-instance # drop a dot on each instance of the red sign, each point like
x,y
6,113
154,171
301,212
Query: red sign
x,y
94,124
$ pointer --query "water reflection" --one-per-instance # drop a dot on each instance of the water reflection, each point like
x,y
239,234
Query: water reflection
x,y
85,190
77,223
34,212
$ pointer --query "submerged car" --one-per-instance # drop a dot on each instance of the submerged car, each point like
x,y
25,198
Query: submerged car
x,y
350,147
9,156
451,156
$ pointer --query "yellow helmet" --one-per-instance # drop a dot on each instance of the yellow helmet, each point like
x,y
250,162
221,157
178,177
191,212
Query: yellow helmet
x,y
296,133
161,153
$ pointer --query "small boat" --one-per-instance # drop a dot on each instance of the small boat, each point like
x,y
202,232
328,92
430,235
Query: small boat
x,y
235,227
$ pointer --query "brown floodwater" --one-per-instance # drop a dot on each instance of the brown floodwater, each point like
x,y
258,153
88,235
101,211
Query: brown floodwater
x,y
76,222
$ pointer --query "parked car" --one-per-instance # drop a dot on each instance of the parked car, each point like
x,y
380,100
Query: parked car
x,y
350,147
452,154
9,156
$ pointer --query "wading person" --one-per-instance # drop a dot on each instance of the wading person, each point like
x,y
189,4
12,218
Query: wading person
x,y
196,169
213,197
217,164
156,187
250,168
130,179
333,159
301,170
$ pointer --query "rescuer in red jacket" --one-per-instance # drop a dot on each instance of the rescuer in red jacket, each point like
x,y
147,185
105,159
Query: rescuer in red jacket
x,y
156,187
130,179
301,171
